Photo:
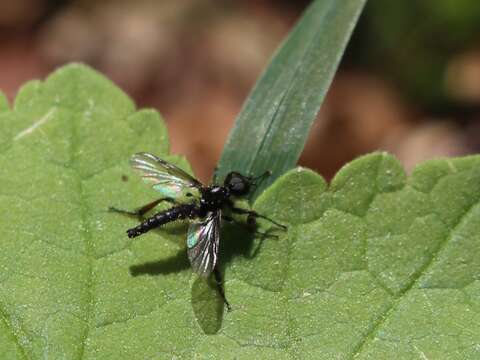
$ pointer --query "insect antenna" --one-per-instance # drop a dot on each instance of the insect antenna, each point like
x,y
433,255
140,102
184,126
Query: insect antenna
x,y
256,181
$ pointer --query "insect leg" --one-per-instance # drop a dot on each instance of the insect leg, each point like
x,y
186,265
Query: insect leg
x,y
220,289
142,210
253,215
249,225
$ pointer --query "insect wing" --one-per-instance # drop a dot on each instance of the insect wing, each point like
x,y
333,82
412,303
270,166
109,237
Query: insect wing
x,y
166,178
202,243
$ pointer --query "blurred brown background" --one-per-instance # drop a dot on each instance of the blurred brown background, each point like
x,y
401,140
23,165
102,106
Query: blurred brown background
x,y
409,82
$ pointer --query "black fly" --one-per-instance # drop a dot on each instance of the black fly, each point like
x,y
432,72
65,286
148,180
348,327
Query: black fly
x,y
202,205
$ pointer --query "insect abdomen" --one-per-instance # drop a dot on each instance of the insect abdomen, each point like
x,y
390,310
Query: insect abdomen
x,y
176,213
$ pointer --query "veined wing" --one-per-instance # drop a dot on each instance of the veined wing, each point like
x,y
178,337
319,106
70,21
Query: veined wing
x,y
166,178
202,243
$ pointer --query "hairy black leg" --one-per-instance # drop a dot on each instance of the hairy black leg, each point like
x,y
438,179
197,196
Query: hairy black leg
x,y
253,214
142,210
220,289
250,225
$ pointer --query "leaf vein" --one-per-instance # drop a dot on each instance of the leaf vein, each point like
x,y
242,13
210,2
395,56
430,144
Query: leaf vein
x,y
14,336
373,330
85,233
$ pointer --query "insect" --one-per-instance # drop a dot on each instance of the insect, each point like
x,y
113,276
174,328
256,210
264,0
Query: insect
x,y
204,206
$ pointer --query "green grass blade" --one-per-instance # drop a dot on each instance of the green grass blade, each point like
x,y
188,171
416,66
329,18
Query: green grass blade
x,y
271,130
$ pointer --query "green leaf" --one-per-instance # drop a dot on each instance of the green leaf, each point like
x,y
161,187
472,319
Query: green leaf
x,y
374,266
271,130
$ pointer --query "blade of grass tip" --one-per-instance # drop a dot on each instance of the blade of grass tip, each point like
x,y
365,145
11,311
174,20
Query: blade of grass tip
x,y
272,128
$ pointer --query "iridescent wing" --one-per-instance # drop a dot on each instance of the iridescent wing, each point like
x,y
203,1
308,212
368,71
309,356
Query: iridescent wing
x,y
202,243
166,178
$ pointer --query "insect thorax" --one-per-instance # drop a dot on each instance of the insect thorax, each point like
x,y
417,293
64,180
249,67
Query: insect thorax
x,y
214,197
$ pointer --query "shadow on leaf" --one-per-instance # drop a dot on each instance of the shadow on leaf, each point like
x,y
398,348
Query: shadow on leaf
x,y
235,240
242,241
173,264
207,305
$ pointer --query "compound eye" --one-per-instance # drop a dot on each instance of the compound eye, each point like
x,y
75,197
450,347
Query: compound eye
x,y
237,184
